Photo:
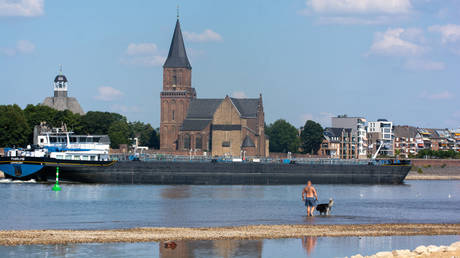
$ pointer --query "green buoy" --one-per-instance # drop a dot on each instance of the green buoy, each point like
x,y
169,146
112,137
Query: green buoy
x,y
56,186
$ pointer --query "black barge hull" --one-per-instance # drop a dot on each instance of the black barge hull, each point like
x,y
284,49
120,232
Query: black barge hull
x,y
229,173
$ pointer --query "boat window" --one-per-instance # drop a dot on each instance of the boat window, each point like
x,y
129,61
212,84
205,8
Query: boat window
x,y
42,140
73,139
93,157
96,139
76,157
53,139
59,156
82,139
85,157
68,156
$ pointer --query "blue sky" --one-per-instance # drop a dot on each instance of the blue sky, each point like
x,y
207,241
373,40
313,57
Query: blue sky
x,y
314,59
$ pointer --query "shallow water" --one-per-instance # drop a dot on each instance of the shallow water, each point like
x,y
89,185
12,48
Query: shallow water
x,y
305,247
35,206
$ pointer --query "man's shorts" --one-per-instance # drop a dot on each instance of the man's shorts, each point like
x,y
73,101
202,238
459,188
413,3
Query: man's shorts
x,y
310,201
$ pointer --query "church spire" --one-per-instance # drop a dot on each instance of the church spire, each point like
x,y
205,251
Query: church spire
x,y
177,57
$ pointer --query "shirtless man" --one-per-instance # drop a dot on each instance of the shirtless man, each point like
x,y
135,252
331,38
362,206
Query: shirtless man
x,y
310,192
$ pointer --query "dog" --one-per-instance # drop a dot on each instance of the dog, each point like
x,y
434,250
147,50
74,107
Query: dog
x,y
325,208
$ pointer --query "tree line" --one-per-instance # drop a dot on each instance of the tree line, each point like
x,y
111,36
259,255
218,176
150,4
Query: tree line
x,y
284,137
439,154
16,129
16,125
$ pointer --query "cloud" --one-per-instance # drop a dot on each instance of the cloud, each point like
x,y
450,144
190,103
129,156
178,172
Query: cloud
x,y
350,20
107,93
141,48
144,54
449,33
22,47
239,94
360,6
324,118
443,95
205,36
364,12
144,60
426,65
396,42
25,8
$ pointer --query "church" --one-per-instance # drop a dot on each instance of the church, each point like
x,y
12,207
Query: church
x,y
61,101
217,127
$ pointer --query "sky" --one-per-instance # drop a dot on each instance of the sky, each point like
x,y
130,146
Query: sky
x,y
313,59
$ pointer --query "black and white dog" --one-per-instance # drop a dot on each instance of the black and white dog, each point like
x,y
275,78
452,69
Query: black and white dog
x,y
325,208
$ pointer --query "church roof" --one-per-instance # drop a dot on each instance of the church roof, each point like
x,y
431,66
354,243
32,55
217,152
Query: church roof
x,y
247,142
203,108
247,107
177,57
201,111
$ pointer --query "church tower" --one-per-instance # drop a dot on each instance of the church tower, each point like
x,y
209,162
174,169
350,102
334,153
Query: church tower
x,y
60,84
177,91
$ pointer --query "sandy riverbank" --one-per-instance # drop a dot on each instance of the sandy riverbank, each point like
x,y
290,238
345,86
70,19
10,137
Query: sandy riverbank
x,y
435,174
31,237
421,251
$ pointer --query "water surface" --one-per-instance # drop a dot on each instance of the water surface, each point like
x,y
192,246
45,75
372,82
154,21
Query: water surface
x,y
35,206
305,247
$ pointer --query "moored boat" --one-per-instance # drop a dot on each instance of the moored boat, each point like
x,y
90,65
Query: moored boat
x,y
215,172
85,159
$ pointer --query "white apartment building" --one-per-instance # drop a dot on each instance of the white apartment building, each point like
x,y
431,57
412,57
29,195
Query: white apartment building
x,y
384,129
358,127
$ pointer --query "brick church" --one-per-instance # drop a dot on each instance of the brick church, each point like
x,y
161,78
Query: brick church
x,y
217,127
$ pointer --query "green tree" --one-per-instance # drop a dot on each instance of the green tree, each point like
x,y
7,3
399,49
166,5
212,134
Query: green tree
x,y
118,133
397,153
145,133
39,113
35,114
283,137
71,120
311,137
14,130
95,122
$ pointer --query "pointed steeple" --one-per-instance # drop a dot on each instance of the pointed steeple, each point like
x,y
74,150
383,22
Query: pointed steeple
x,y
177,57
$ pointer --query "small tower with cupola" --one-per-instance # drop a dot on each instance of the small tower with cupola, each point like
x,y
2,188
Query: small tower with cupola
x,y
61,100
60,84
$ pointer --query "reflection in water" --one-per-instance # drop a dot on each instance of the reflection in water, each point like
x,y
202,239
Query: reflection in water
x,y
176,192
311,247
214,248
309,243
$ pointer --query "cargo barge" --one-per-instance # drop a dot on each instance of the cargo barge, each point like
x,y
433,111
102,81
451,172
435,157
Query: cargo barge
x,y
233,173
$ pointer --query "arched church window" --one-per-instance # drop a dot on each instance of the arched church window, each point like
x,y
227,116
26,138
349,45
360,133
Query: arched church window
x,y
187,142
198,142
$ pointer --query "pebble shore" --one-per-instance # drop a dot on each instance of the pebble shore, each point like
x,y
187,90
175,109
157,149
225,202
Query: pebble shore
x,y
421,251
34,237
